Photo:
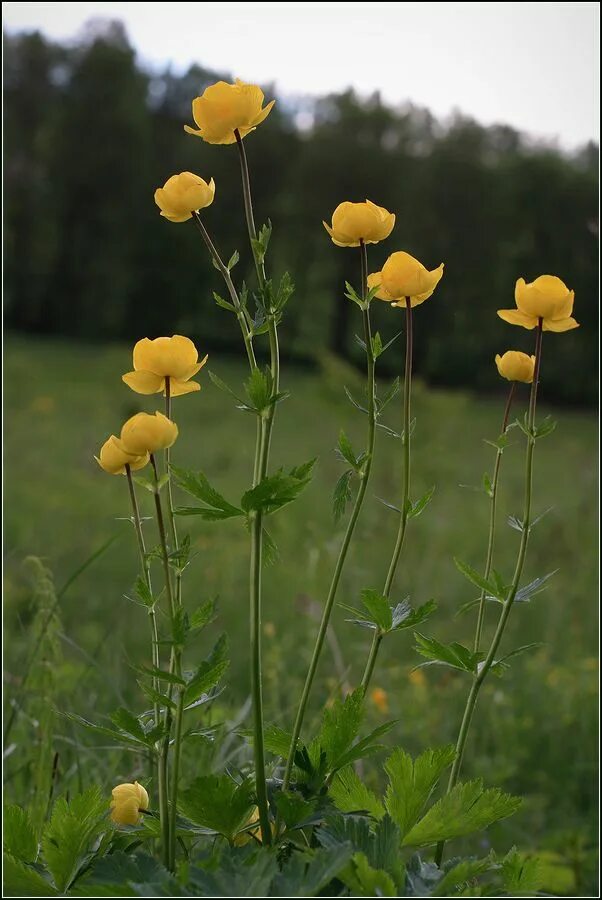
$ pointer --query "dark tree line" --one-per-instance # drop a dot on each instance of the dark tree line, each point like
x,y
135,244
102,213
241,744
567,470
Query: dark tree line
x,y
89,135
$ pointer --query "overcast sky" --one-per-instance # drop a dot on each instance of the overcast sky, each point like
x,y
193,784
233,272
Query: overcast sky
x,y
534,66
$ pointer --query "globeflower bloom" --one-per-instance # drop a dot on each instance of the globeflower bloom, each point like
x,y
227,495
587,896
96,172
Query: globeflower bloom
x,y
114,457
355,222
547,298
127,803
174,357
144,433
183,194
516,366
403,276
225,108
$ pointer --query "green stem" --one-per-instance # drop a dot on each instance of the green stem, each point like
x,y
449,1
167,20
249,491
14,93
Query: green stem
x,y
403,518
262,452
169,859
225,272
145,569
364,477
522,552
491,539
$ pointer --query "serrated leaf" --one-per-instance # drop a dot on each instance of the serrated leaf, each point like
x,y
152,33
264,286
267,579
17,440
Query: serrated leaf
x,y
208,673
125,720
377,345
457,875
126,874
455,655
69,834
364,880
155,696
236,874
233,260
525,593
342,494
161,674
218,802
306,874
19,836
467,808
346,450
406,617
20,880
378,607
203,615
258,388
411,783
476,578
143,592
224,387
352,294
521,874
350,794
225,304
277,490
119,736
340,725
546,427
365,747
197,485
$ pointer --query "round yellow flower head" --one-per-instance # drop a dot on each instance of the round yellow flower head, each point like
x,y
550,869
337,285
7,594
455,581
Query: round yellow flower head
x,y
546,298
250,834
224,108
380,699
144,433
516,366
114,457
355,222
183,194
403,276
174,357
128,800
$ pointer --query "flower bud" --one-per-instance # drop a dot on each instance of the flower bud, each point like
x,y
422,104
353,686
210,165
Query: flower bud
x,y
355,222
145,433
516,366
114,457
183,194
128,800
403,276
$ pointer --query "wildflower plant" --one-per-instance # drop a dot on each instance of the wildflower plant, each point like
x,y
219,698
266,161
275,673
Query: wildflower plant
x,y
306,823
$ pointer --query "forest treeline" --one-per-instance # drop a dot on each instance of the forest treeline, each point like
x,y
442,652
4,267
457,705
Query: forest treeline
x,y
90,133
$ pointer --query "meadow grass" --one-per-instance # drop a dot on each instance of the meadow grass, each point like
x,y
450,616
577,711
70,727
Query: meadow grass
x,y
535,729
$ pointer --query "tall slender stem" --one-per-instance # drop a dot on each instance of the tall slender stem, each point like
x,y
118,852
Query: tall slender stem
x,y
403,517
512,590
175,666
225,272
145,570
364,477
491,539
262,452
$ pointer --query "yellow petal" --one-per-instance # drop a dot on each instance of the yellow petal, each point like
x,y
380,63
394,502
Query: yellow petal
x,y
178,388
176,217
263,114
559,325
196,131
144,382
516,317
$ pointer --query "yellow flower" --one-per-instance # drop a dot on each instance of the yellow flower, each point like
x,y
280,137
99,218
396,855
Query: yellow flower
x,y
128,800
380,699
403,276
243,837
144,433
165,357
114,457
352,222
224,108
183,194
516,366
546,298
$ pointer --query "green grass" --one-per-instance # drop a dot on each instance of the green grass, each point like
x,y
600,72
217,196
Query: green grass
x,y
535,729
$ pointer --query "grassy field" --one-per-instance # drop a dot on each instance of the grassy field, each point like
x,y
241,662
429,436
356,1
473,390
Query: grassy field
x,y
535,729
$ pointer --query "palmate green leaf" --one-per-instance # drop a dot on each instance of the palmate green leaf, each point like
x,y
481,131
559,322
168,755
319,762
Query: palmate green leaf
x,y
307,874
296,812
454,655
69,835
521,875
208,673
363,880
411,783
378,607
258,388
466,809
342,495
458,874
19,836
340,726
365,747
277,490
20,880
275,739
197,485
350,794
218,802
237,873
406,617
120,874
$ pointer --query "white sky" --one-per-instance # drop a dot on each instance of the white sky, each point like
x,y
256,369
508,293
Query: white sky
x,y
534,66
